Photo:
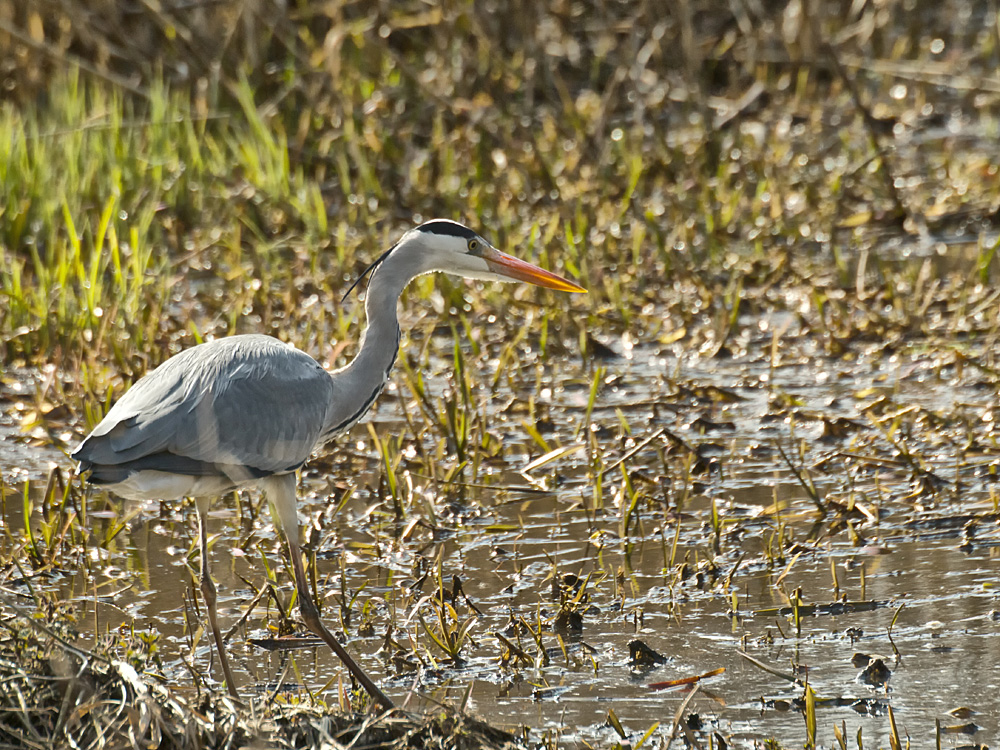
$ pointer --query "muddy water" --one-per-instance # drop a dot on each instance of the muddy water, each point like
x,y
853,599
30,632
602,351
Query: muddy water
x,y
916,570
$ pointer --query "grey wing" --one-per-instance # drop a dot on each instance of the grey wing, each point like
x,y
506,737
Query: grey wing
x,y
246,401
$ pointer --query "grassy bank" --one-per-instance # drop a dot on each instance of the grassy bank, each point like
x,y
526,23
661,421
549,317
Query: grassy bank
x,y
133,224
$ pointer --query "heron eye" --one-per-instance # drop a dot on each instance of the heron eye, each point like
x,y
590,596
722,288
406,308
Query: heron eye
x,y
473,245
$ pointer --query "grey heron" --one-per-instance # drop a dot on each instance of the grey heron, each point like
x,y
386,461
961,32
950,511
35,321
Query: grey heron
x,y
249,410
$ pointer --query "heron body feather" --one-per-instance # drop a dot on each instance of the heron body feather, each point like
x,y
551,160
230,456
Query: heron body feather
x,y
239,408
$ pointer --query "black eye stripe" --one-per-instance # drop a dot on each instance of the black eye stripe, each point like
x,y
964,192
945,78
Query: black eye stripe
x,y
446,227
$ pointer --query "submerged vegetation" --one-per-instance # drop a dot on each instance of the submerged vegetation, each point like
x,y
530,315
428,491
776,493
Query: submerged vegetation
x,y
777,403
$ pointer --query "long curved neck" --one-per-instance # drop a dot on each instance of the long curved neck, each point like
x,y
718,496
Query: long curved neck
x,y
359,383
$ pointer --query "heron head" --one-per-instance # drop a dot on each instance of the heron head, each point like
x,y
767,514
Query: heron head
x,y
454,248
450,247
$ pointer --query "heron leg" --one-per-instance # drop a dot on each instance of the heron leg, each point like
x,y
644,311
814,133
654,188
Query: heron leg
x,y
207,586
281,494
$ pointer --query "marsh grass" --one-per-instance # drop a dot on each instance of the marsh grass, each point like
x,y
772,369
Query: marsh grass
x,y
726,191
264,196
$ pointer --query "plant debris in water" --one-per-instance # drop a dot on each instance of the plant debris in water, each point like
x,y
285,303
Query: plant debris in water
x,y
53,694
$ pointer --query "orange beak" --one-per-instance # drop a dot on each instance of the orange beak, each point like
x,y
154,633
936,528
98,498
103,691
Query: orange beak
x,y
519,270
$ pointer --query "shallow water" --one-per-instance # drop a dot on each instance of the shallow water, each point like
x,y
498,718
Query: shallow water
x,y
920,570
